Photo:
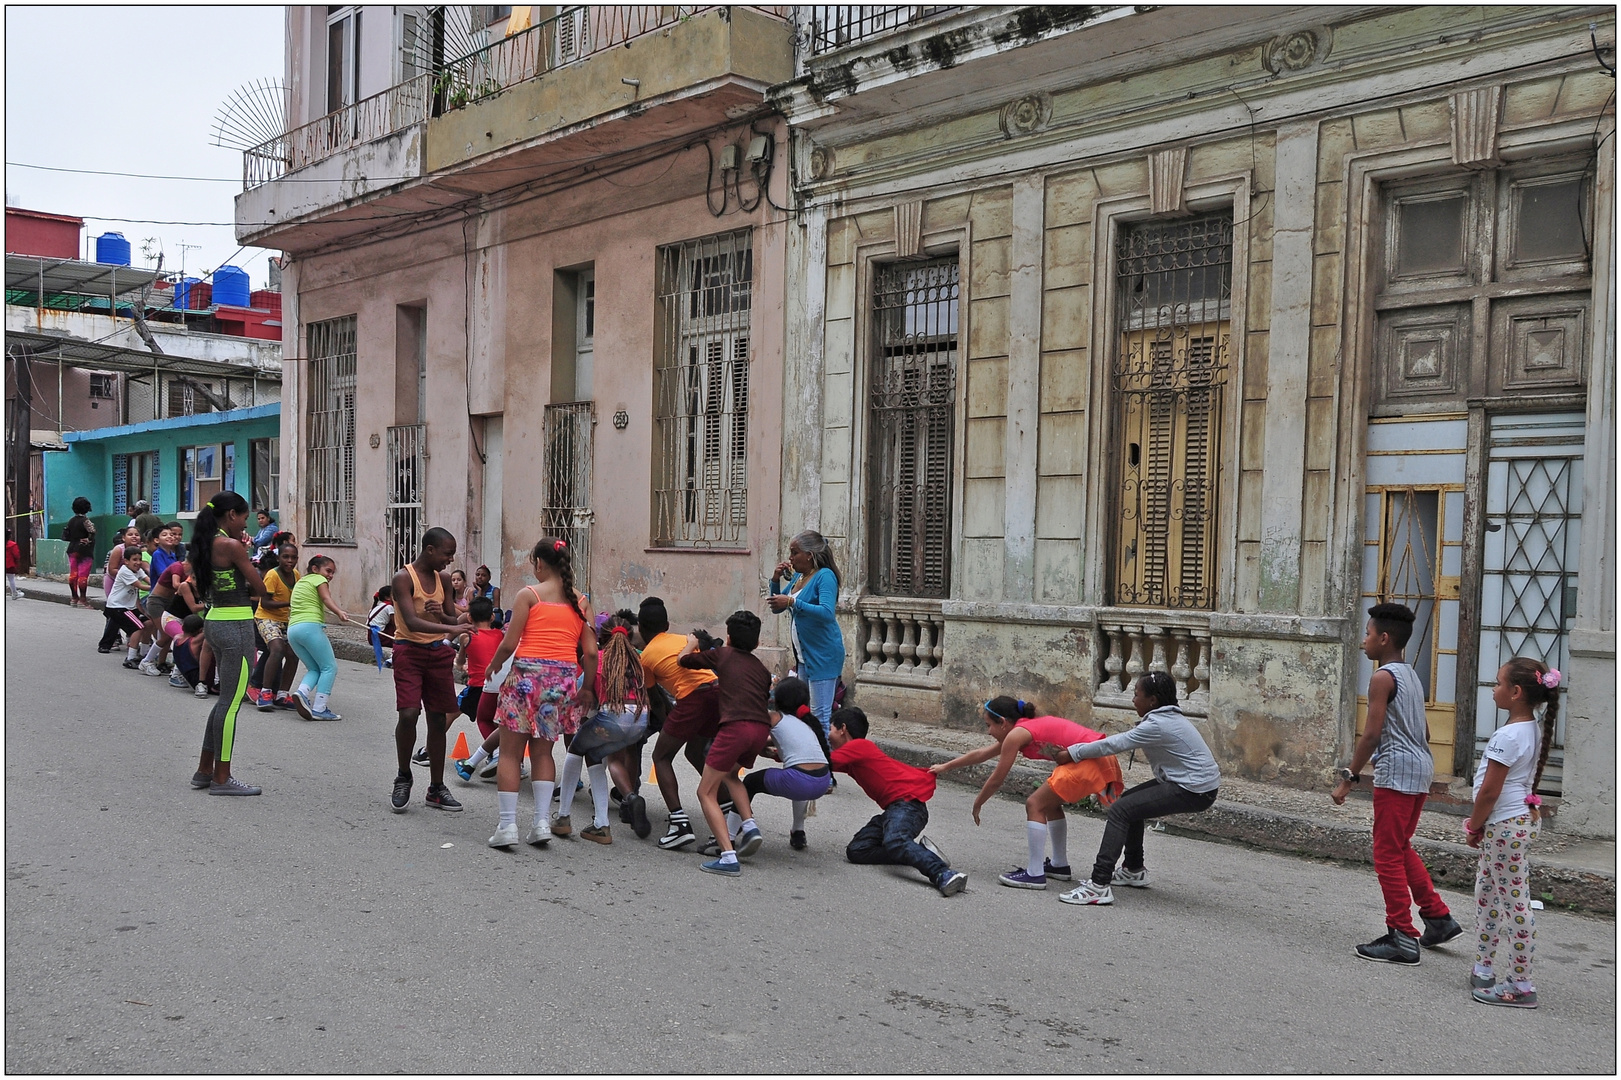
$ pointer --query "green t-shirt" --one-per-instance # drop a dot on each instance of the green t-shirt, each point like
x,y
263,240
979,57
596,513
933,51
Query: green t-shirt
x,y
305,605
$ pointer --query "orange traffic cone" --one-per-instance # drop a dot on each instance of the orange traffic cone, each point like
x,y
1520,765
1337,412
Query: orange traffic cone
x,y
461,752
652,774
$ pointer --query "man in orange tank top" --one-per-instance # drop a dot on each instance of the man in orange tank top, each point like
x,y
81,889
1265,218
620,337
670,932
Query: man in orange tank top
x,y
423,616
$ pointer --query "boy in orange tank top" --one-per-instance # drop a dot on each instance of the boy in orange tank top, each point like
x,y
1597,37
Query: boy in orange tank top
x,y
422,665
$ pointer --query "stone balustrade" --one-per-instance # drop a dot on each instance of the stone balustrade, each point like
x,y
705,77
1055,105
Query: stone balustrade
x,y
898,641
1129,649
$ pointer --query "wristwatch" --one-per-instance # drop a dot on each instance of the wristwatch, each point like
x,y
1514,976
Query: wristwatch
x,y
1349,777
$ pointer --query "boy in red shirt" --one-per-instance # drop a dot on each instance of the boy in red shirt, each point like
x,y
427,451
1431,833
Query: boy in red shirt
x,y
901,790
473,659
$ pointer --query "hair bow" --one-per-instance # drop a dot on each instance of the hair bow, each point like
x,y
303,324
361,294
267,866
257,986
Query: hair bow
x,y
1550,679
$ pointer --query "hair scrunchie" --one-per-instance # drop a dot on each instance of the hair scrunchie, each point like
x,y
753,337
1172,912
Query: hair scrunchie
x,y
1550,680
558,545
803,712
621,630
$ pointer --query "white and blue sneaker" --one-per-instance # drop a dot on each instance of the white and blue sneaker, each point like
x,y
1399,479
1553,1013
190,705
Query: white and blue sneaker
x,y
324,714
724,869
463,771
301,700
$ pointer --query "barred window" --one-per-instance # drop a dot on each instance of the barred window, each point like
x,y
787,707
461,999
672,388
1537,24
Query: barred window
x,y
701,392
331,389
912,402
1174,288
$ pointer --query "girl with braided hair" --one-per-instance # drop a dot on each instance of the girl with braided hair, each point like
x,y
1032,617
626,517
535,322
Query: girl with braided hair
x,y
550,642
1506,819
602,744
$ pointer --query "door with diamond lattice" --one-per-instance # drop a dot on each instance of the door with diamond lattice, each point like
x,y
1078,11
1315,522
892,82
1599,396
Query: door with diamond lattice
x,y
1528,571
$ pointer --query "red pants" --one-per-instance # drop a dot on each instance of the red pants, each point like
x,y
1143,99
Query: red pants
x,y
1401,872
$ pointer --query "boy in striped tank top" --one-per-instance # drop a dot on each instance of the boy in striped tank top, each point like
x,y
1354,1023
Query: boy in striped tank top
x,y
1396,739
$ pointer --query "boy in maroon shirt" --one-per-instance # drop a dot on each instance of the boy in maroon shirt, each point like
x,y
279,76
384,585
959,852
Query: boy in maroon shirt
x,y
901,790
745,725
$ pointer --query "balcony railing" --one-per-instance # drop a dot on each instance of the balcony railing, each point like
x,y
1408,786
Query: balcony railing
x,y
900,641
1129,650
573,34
835,27
397,108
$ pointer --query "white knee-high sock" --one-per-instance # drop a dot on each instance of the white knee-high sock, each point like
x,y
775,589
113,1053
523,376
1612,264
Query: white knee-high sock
x,y
572,764
800,806
1058,837
598,776
152,653
1035,832
508,802
543,798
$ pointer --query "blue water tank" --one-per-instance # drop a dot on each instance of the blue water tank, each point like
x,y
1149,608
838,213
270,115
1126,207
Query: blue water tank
x,y
182,293
231,286
112,248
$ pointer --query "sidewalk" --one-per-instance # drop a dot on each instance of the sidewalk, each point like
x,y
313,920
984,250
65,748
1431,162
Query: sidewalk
x,y
1565,870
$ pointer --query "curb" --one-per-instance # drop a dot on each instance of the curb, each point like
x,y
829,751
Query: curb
x,y
1451,865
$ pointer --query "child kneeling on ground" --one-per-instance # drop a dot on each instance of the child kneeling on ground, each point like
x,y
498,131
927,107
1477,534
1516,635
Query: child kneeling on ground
x,y
893,837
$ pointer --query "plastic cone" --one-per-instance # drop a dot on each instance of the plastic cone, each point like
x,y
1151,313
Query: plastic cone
x,y
461,752
652,774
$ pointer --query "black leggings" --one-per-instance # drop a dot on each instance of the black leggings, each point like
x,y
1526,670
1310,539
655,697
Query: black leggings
x,y
1124,827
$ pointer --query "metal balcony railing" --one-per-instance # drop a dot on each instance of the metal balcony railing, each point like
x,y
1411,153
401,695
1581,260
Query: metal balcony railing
x,y
571,35
395,109
834,27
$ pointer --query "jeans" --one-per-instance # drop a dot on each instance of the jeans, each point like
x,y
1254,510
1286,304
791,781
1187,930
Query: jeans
x,y
1402,876
821,702
314,650
1124,827
890,839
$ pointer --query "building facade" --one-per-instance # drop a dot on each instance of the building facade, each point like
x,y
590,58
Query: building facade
x,y
533,286
1128,339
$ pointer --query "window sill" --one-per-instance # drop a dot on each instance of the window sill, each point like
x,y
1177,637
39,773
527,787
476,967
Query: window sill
x,y
329,543
698,551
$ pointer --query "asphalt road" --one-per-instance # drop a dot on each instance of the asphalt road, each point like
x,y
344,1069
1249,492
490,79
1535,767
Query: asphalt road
x,y
151,927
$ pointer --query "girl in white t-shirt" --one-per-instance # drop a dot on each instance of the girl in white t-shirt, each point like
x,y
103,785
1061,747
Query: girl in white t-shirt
x,y
1504,823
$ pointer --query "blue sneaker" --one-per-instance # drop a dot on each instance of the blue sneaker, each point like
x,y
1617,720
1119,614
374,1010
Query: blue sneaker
x,y
748,842
725,869
301,699
1060,873
324,714
463,771
1021,879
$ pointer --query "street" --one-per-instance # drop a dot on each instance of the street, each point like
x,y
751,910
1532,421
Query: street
x,y
150,927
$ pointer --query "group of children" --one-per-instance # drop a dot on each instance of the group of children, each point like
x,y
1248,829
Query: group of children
x,y
608,685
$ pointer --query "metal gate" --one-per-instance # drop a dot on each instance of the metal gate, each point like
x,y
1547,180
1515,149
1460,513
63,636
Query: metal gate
x,y
1528,583
567,512
407,476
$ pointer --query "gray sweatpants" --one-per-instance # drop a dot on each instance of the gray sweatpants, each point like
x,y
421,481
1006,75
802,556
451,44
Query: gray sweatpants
x,y
232,642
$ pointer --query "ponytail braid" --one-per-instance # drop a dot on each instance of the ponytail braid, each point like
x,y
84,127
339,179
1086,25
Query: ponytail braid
x,y
554,552
1528,675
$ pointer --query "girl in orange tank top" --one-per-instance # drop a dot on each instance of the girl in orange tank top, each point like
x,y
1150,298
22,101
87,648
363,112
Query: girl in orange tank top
x,y
549,638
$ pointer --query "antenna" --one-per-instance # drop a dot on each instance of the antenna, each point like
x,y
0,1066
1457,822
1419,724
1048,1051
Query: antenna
x,y
184,247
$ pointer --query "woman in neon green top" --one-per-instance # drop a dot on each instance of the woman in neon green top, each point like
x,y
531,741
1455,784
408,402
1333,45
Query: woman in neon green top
x,y
306,633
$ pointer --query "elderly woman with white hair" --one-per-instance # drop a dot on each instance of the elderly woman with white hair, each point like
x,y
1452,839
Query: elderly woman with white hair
x,y
811,596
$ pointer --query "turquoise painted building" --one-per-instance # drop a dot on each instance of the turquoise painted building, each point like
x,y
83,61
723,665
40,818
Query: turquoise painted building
x,y
176,464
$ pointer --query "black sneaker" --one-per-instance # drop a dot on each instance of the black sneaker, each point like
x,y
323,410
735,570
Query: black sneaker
x,y
402,793
1394,948
1439,931
420,757
132,663
796,840
678,835
625,817
638,816
440,798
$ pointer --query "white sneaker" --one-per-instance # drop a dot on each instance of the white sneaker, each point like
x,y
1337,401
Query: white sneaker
x,y
505,836
488,771
200,690
1135,879
539,834
1088,893
149,668
929,845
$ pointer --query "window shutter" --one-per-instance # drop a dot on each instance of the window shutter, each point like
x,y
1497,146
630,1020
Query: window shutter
x,y
120,483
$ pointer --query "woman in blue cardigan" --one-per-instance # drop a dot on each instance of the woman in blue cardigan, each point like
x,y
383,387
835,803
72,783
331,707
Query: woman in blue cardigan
x,y
811,596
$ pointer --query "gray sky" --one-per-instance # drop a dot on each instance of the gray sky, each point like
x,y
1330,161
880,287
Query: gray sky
x,y
135,90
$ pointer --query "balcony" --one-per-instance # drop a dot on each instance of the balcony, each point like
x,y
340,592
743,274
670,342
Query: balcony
x,y
836,26
661,71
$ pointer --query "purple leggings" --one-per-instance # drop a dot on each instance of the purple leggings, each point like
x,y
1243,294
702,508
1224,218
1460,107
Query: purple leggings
x,y
791,783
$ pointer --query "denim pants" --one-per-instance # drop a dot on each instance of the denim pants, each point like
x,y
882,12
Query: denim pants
x,y
821,702
1124,827
890,839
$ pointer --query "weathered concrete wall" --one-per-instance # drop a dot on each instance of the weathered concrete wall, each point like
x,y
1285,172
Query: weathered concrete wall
x,y
1275,701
